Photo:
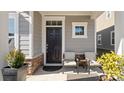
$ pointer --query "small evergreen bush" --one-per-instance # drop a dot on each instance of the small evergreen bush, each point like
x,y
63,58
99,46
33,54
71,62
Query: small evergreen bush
x,y
15,58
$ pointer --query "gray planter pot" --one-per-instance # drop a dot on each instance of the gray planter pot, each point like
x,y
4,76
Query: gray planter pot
x,y
11,74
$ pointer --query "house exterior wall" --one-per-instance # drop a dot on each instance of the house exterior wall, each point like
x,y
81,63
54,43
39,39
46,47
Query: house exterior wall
x,y
3,37
106,39
103,22
119,32
79,44
24,32
71,44
30,41
37,36
35,50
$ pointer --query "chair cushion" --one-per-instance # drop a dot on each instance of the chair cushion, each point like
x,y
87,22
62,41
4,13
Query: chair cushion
x,y
69,63
94,63
69,56
90,55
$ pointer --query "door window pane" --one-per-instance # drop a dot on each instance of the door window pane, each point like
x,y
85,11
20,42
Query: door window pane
x,y
48,22
59,22
54,22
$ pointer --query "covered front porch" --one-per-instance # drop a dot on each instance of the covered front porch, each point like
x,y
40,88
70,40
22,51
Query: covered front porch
x,y
70,74
44,36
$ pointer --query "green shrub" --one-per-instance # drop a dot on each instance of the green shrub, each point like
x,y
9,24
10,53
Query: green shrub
x,y
112,65
15,58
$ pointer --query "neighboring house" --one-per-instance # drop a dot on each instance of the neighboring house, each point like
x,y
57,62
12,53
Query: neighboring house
x,y
3,37
119,32
105,32
44,36
106,39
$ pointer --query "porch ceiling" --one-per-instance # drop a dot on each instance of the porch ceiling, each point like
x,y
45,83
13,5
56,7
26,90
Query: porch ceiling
x,y
93,14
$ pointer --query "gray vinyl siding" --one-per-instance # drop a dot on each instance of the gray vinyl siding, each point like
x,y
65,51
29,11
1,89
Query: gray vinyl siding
x,y
106,39
24,32
79,44
37,40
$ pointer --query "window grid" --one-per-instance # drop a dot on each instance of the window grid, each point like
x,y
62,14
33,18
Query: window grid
x,y
99,39
112,38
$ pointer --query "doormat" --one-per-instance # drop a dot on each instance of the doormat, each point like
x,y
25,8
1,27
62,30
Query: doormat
x,y
82,77
51,68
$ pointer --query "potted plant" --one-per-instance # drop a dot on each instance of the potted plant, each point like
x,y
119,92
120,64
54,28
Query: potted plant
x,y
112,66
16,69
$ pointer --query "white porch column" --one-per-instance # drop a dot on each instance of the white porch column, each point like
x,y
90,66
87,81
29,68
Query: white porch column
x,y
31,34
3,37
119,32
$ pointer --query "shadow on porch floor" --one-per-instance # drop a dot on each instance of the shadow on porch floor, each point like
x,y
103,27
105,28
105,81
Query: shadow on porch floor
x,y
70,74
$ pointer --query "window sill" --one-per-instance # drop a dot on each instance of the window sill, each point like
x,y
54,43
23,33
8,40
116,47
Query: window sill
x,y
112,44
79,36
99,44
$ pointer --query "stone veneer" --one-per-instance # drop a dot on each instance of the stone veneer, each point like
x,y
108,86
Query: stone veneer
x,y
34,64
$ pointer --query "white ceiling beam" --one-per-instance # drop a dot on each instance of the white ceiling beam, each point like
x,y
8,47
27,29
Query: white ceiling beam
x,y
93,14
66,13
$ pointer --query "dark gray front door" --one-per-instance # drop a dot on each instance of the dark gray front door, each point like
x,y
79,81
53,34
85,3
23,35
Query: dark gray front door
x,y
53,45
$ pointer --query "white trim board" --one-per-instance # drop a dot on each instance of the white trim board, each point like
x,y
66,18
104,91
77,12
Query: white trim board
x,y
31,37
95,33
57,18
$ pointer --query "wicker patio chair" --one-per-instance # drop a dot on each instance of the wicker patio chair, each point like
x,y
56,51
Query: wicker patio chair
x,y
69,60
91,60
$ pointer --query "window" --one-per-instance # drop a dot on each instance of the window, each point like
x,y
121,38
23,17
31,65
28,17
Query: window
x,y
99,39
12,28
79,29
11,25
53,23
112,38
108,14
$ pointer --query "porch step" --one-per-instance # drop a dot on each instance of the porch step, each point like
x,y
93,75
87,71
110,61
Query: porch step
x,y
82,77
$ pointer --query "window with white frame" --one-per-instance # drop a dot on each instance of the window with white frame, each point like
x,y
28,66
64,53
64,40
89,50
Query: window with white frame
x,y
53,23
99,39
112,38
11,24
11,30
79,29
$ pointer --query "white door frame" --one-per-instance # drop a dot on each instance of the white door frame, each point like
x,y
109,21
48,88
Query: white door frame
x,y
56,18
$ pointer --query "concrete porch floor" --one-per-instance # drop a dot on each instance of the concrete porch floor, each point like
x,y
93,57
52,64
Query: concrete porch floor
x,y
41,75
